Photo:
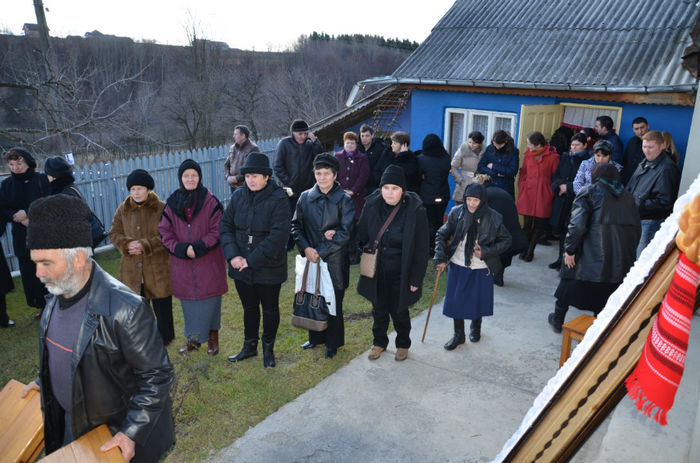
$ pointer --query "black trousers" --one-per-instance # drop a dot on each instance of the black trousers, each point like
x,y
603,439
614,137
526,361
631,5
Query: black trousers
x,y
436,215
334,336
252,297
388,291
163,308
4,319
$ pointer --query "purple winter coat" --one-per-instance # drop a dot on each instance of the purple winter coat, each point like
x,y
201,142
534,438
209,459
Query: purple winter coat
x,y
205,275
354,175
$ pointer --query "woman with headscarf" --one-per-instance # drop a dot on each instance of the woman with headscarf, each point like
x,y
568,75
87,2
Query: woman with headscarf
x,y
401,260
190,232
17,192
322,226
254,232
600,246
471,242
144,264
500,161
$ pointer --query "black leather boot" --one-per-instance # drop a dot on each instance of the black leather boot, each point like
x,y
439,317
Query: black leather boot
x,y
459,336
556,318
250,349
268,354
475,330
556,265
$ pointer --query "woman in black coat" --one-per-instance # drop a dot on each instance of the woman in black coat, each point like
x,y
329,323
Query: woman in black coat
x,y
17,192
600,246
500,161
434,165
322,226
60,175
472,242
563,188
401,261
503,203
254,231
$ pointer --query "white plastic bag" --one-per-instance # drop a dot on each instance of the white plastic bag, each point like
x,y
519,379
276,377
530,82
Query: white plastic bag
x,y
326,282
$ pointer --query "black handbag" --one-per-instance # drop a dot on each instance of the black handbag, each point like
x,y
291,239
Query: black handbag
x,y
97,229
310,310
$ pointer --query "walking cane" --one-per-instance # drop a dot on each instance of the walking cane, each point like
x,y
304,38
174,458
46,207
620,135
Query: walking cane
x,y
432,300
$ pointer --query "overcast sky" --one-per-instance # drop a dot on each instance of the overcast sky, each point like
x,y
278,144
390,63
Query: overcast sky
x,y
252,24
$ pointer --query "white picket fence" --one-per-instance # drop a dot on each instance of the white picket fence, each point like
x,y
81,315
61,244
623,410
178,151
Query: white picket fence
x,y
103,184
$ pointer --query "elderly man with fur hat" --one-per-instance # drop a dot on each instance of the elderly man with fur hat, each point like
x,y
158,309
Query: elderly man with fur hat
x,y
101,359
17,192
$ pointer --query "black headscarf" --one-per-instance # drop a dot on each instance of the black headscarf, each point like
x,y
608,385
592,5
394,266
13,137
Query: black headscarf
x,y
607,174
471,220
182,198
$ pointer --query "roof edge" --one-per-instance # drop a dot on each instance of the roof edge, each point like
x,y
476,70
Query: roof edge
x,y
388,80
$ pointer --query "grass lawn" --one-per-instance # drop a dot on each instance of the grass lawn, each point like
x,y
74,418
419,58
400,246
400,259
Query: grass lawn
x,y
214,401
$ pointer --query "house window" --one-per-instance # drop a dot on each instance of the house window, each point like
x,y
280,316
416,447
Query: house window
x,y
459,122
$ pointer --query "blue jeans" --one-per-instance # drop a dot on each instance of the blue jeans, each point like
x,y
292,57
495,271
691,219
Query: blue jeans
x,y
649,229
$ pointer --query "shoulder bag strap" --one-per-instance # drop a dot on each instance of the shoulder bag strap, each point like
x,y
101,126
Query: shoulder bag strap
x,y
306,274
386,225
317,292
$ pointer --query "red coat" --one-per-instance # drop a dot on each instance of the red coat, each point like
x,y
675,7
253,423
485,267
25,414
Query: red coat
x,y
535,181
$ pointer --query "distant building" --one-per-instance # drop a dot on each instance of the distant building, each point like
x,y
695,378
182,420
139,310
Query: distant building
x,y
30,30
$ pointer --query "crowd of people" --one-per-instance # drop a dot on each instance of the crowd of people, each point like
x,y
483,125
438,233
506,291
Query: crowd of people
x,y
369,197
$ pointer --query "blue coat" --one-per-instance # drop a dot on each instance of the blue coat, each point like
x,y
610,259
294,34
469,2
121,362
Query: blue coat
x,y
504,168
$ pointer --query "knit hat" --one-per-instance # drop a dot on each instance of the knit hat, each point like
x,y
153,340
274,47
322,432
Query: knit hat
x,y
606,170
141,178
188,164
57,167
299,125
59,222
393,175
327,161
603,145
25,154
256,163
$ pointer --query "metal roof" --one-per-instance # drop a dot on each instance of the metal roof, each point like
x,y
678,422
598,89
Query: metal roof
x,y
595,45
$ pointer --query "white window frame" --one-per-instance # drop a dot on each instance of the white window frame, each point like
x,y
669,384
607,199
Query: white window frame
x,y
468,113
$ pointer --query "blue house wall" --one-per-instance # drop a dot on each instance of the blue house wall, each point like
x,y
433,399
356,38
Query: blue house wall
x,y
428,113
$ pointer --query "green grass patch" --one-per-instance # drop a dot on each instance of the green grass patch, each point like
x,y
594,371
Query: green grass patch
x,y
216,401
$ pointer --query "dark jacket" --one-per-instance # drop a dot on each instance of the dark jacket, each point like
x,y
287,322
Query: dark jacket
x,y
414,250
374,154
493,237
614,138
256,226
604,230
407,161
564,175
633,156
294,163
654,186
504,168
17,192
434,166
317,213
353,175
120,369
65,184
502,202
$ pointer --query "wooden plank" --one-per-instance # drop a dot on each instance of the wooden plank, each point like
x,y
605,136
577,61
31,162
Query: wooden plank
x,y
563,424
86,449
21,424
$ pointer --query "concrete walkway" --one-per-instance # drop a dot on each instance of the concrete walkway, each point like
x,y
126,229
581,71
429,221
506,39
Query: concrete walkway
x,y
437,405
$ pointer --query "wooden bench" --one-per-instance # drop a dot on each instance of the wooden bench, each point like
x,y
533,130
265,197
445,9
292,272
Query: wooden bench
x,y
86,449
575,329
21,424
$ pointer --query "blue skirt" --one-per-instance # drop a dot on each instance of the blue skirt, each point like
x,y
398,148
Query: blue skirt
x,y
469,293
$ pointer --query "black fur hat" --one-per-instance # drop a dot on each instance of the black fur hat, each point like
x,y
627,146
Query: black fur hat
x,y
59,222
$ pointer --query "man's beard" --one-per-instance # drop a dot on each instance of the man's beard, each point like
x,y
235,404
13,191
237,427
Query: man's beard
x,y
67,285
